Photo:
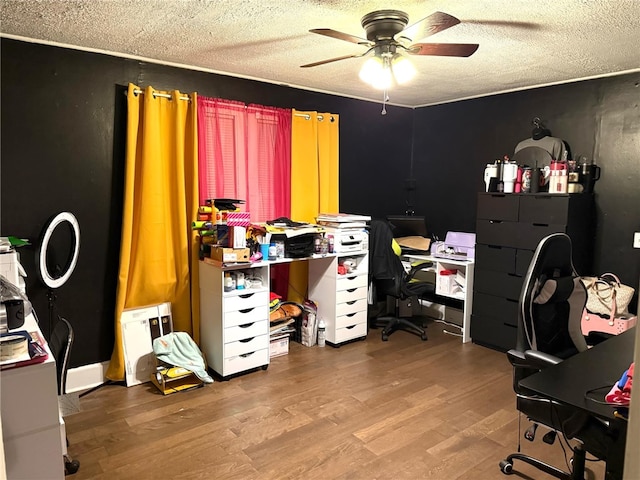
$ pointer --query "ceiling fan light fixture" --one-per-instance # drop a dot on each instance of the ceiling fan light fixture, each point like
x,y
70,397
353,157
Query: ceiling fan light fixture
x,y
382,72
403,69
375,71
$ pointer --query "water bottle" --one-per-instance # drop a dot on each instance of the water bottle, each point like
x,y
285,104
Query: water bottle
x,y
321,333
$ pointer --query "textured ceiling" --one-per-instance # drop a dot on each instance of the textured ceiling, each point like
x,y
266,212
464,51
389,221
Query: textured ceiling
x,y
523,43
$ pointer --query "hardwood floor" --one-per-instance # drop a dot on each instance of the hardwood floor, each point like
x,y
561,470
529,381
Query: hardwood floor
x,y
402,409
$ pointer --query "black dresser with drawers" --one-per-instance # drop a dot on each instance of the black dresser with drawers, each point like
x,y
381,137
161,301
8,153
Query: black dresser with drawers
x,y
508,230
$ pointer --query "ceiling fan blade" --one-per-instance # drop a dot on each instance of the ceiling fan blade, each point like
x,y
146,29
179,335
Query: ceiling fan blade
x,y
444,49
328,32
322,62
434,23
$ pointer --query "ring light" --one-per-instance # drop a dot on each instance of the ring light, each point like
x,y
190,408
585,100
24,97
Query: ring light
x,y
41,260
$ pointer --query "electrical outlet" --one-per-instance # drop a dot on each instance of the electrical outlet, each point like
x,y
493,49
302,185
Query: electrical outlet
x,y
636,240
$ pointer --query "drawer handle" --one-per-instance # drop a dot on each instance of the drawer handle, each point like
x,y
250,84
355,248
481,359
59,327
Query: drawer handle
x,y
498,195
246,340
351,290
350,327
351,302
350,314
352,278
495,247
247,310
508,325
512,300
245,355
246,295
246,325
540,224
495,221
514,275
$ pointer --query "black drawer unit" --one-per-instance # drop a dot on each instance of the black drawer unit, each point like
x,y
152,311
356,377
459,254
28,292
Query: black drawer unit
x,y
508,230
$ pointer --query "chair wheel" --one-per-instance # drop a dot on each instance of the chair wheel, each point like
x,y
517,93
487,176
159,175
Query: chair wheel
x,y
423,337
530,433
506,467
385,337
70,466
549,437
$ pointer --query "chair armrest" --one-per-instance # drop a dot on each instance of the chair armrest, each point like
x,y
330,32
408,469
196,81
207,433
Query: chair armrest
x,y
540,360
418,267
516,358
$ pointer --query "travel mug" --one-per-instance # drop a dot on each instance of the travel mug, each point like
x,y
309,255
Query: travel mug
x,y
535,180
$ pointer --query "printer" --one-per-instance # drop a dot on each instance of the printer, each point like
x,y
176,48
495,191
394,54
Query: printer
x,y
348,240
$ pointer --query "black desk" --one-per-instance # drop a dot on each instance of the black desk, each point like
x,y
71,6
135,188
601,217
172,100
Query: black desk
x,y
599,366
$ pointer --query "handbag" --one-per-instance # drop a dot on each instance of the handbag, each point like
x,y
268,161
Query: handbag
x,y
613,324
604,292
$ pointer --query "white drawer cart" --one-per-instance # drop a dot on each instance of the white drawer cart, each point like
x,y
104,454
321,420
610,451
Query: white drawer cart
x,y
341,299
234,326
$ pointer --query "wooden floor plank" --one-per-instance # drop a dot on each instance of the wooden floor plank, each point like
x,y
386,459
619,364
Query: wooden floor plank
x,y
401,409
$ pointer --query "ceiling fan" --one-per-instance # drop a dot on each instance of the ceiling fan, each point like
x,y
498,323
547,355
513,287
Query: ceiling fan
x,y
388,37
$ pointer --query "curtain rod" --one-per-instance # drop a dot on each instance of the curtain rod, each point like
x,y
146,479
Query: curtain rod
x,y
308,117
137,91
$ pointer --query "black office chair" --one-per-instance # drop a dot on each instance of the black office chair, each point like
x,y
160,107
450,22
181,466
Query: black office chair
x,y
388,277
550,309
60,344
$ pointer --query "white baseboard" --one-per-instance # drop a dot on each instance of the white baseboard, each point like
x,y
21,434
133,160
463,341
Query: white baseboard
x,y
86,377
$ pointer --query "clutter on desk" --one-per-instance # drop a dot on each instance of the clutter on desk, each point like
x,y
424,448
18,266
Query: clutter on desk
x,y
220,226
20,348
456,246
343,220
415,242
14,303
620,393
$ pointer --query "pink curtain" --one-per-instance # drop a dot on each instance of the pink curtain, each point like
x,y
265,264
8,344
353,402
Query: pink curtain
x,y
244,152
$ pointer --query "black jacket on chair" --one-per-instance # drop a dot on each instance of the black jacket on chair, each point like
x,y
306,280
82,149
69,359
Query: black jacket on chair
x,y
388,277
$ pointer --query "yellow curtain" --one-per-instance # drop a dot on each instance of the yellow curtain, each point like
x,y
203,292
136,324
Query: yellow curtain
x,y
159,251
314,179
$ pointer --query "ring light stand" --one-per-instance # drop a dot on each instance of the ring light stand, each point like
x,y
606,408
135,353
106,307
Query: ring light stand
x,y
49,279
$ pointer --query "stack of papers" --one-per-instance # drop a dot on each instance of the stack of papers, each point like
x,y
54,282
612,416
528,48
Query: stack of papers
x,y
343,220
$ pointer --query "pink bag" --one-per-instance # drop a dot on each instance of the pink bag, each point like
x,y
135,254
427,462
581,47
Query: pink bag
x,y
615,324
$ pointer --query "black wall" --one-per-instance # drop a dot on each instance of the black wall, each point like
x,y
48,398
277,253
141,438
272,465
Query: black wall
x,y
63,126
599,119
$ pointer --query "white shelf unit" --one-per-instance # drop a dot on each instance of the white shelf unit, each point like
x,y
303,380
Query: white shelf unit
x,y
341,299
234,326
466,296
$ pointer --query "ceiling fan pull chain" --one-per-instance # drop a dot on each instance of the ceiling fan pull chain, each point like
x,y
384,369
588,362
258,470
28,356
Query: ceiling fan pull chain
x,y
385,99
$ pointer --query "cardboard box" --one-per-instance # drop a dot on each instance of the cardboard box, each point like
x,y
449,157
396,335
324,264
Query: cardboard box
x,y
229,255
279,346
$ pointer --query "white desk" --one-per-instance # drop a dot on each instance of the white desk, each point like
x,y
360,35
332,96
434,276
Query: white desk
x,y
466,266
234,325
30,418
